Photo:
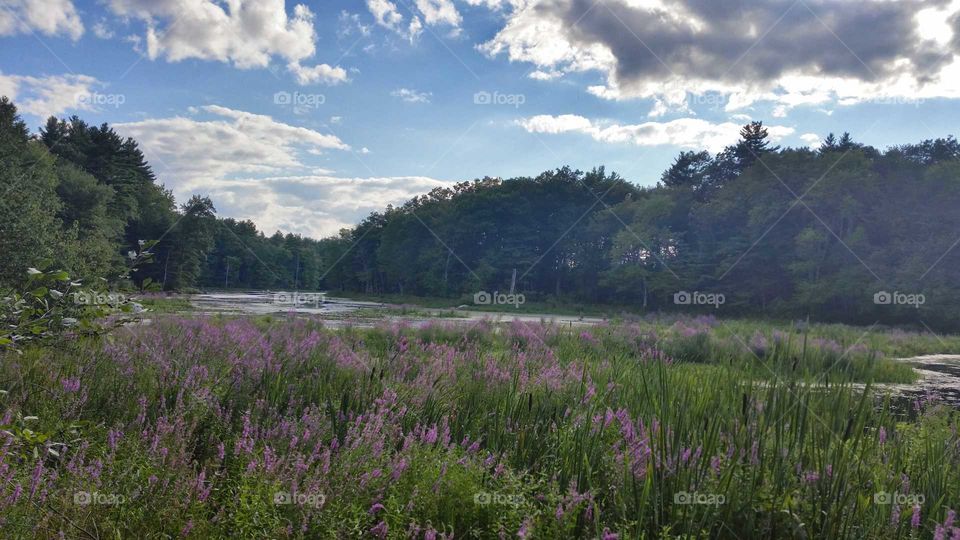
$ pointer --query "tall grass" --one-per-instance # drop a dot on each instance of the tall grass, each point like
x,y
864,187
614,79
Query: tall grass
x,y
208,427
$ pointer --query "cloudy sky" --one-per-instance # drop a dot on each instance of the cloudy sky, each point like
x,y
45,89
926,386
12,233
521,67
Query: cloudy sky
x,y
306,116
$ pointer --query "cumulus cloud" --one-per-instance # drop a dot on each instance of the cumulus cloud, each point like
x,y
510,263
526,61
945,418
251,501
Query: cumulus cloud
x,y
411,96
52,95
255,168
314,205
322,73
245,33
812,139
789,53
387,15
48,17
230,143
439,12
684,132
422,12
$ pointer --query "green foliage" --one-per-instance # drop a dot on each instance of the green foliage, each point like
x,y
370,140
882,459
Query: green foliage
x,y
51,306
564,434
786,233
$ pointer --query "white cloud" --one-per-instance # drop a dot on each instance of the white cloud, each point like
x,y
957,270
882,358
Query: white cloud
x,y
541,75
51,95
49,17
832,52
245,33
102,31
231,143
411,96
428,12
322,73
441,12
9,86
387,15
684,132
350,24
316,205
256,167
812,139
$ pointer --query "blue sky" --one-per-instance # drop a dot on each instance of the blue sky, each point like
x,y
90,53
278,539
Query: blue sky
x,y
306,116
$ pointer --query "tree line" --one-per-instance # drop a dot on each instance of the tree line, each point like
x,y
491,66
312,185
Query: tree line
x,y
782,232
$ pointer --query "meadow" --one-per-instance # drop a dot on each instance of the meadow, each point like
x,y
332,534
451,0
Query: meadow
x,y
278,427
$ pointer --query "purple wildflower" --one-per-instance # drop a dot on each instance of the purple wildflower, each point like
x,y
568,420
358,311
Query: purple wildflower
x,y
380,530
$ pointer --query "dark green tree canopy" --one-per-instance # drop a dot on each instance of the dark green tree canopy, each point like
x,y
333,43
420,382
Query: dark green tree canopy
x,y
728,223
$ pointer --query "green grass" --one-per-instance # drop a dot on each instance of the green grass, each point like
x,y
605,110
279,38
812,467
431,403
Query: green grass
x,y
571,433
168,304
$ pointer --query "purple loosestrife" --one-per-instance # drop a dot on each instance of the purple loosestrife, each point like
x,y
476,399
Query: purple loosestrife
x,y
380,530
524,531
37,477
113,437
71,385
15,496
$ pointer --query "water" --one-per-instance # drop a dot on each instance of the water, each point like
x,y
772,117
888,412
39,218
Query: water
x,y
939,374
336,311
267,302
939,377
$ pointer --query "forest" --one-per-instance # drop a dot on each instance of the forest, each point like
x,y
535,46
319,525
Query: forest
x,y
843,232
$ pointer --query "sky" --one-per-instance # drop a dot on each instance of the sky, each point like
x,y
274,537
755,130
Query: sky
x,y
307,116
